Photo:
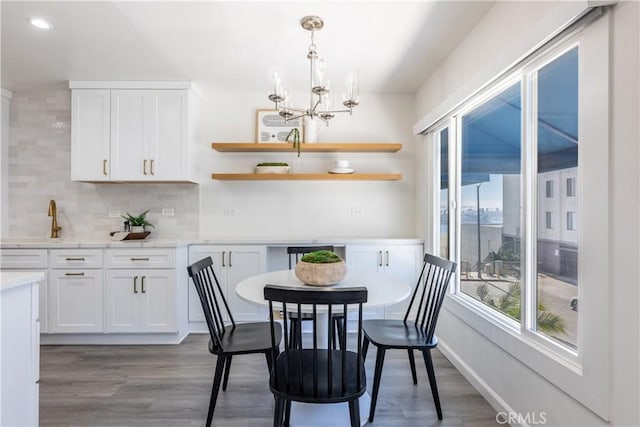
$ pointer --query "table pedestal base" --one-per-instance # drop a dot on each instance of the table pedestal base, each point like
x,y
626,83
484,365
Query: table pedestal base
x,y
334,415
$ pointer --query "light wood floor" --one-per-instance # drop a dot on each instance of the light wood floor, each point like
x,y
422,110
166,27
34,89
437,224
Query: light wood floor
x,y
170,385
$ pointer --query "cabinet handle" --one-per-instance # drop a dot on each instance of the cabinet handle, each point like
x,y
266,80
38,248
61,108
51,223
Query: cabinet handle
x,y
223,252
74,274
104,167
139,259
379,258
151,167
144,166
135,284
387,252
74,259
230,259
142,280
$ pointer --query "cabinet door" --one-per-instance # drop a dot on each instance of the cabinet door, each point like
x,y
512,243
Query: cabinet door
x,y
129,131
243,262
403,262
90,135
196,253
157,301
75,301
122,303
167,146
366,260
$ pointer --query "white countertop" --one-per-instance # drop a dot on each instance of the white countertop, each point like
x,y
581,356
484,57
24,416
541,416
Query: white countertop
x,y
174,243
12,279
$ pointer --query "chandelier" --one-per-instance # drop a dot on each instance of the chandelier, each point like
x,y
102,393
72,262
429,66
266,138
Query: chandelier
x,y
320,103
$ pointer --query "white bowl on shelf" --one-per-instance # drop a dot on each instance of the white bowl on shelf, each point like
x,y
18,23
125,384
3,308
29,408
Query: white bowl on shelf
x,y
272,169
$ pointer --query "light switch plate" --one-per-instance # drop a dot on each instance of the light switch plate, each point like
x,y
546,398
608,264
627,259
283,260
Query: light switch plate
x,y
168,211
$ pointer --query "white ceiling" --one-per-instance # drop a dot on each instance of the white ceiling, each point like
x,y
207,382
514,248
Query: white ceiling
x,y
231,46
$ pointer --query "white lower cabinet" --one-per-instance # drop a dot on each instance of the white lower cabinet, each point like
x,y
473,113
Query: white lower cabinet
x,y
141,301
231,264
75,291
401,261
142,297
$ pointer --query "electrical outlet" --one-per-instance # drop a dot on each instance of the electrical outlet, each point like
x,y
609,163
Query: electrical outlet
x,y
168,211
357,212
114,213
230,211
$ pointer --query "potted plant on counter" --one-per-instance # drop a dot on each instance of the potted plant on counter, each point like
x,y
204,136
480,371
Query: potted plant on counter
x,y
321,268
138,223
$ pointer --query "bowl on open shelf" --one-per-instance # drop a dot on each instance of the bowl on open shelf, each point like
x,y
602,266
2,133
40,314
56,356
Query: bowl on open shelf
x,y
272,168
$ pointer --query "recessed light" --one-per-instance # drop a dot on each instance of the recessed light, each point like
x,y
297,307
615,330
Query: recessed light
x,y
40,23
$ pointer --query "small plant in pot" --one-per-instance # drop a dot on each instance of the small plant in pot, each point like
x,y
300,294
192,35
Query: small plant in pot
x,y
138,223
321,268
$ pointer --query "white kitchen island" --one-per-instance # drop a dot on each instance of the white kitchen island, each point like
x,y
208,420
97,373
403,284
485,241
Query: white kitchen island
x,y
20,370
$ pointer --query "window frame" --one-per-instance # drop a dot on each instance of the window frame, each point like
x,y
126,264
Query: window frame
x,y
581,373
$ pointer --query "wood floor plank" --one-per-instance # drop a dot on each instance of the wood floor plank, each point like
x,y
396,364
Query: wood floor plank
x,y
170,385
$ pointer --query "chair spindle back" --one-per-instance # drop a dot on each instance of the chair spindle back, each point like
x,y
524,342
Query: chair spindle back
x,y
432,288
210,293
296,301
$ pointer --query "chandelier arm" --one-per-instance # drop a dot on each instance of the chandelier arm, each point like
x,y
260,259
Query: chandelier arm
x,y
304,113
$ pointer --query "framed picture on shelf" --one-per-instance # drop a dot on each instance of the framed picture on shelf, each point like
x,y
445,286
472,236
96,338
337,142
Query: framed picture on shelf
x,y
271,127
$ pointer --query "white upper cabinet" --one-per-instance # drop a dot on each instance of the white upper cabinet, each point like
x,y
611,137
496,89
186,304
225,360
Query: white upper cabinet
x,y
90,133
135,135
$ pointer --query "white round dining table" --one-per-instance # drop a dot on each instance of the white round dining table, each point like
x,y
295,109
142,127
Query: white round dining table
x,y
381,291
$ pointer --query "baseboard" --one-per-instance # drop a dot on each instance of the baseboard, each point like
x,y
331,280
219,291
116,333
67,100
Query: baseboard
x,y
489,394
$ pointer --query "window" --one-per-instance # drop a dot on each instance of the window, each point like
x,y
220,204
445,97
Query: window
x,y
571,221
549,189
571,187
491,147
443,136
520,284
530,118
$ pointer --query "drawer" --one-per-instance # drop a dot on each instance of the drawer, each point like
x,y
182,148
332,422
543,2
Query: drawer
x,y
23,259
75,258
147,258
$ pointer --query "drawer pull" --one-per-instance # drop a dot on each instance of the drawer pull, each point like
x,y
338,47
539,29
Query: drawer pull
x,y
387,252
230,259
379,258
104,167
151,161
144,166
74,259
142,280
74,274
135,284
139,259
223,252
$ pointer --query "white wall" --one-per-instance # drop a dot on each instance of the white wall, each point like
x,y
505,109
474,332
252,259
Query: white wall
x,y
39,162
504,380
309,208
5,96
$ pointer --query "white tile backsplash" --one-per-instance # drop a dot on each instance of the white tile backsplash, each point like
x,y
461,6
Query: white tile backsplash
x,y
39,170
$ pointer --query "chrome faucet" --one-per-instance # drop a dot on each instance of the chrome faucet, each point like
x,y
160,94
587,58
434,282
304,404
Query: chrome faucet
x,y
53,212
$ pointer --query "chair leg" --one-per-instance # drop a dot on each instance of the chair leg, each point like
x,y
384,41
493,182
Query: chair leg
x,y
217,377
412,362
432,381
227,368
365,347
376,382
287,413
278,412
354,412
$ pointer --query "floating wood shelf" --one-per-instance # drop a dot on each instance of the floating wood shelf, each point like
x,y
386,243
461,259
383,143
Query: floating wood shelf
x,y
316,147
306,177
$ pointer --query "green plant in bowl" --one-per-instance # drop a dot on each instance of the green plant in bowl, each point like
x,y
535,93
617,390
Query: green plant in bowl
x,y
273,164
138,220
321,257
